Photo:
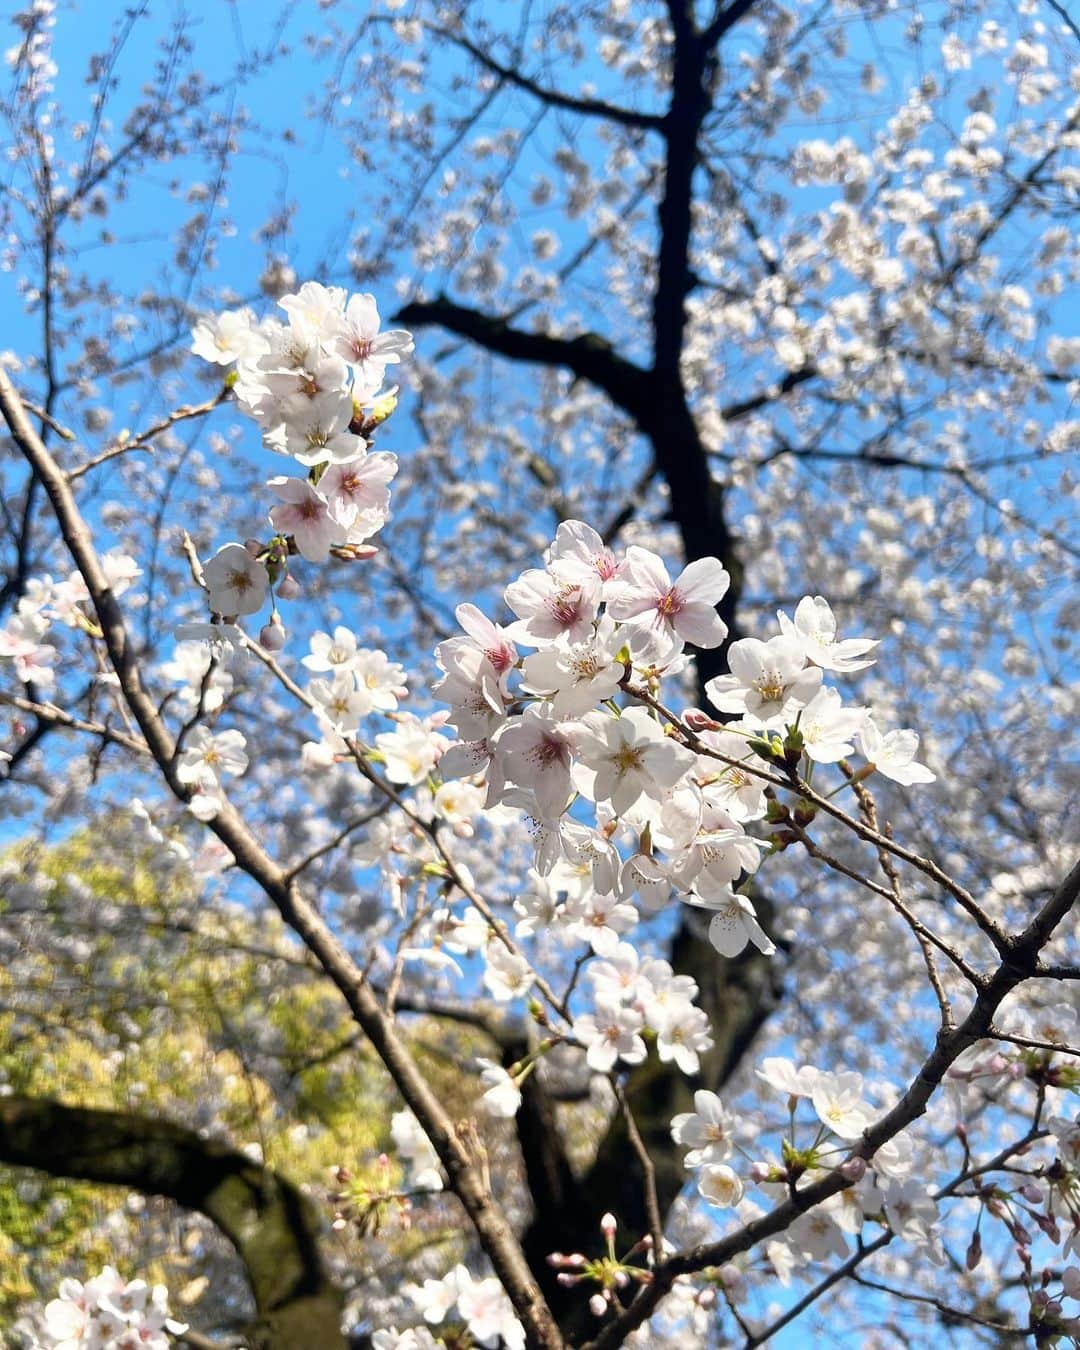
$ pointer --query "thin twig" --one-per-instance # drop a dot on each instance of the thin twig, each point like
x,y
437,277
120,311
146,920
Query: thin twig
x,y
142,440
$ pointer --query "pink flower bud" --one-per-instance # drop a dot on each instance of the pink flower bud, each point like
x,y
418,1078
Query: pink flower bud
x,y
1070,1279
289,588
598,1305
760,1171
253,546
567,1281
272,637
608,1226
621,1279
974,1253
1031,1192
696,720
1049,1226
555,1258
854,1169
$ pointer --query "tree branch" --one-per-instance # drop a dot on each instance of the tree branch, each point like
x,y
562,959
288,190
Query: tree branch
x,y
587,107
270,1223
588,356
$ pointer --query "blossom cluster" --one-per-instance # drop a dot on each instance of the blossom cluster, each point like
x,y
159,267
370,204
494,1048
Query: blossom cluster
x,y
108,1313
582,722
885,1191
314,386
481,1304
45,602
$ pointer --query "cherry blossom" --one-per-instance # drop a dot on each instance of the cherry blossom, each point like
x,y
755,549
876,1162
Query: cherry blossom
x,y
237,583
768,680
306,516
628,757
815,628
893,753
665,614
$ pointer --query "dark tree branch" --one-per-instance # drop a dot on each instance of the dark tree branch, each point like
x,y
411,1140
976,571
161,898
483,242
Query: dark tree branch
x,y
272,1226
588,356
587,107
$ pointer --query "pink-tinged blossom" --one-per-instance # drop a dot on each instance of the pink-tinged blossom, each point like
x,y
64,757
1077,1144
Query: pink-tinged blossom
x,y
610,1034
665,614
708,1131
536,752
828,728
626,758
893,754
304,515
549,608
19,642
471,687
468,759
490,638
357,494
359,342
768,680
488,1313
814,629
617,978
313,376
579,675
579,554
718,854
236,582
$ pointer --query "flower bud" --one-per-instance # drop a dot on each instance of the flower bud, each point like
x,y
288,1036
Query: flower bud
x,y
697,720
1031,1192
974,1252
598,1305
289,588
272,637
854,1169
608,1226
253,546
760,1171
